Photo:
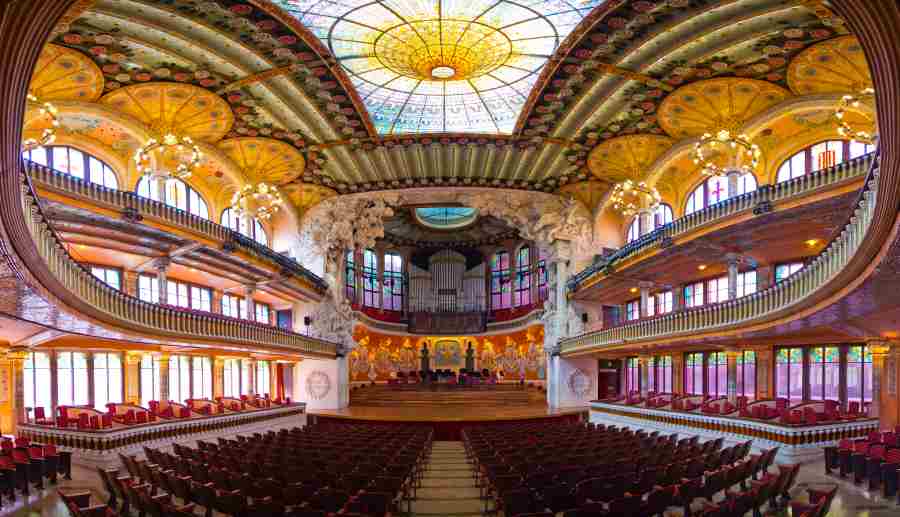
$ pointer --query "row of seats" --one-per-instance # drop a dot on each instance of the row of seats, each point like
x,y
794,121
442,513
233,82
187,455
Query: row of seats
x,y
873,460
778,409
24,464
355,469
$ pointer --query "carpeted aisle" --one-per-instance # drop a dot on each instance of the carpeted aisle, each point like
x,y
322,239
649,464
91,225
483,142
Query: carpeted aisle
x,y
448,488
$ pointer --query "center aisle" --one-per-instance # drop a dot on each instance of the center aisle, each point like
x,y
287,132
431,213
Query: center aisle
x,y
448,488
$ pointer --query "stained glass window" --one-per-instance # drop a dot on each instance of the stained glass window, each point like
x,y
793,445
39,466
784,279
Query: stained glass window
x,y
107,379
37,381
202,382
149,379
176,193
370,278
859,374
716,374
72,379
717,290
632,375
232,378
715,190
821,156
746,283
789,373
241,225
69,160
783,271
442,65
179,378
446,217
661,216
263,379
393,282
523,277
824,373
633,310
693,373
542,276
663,304
746,374
661,373
109,276
350,276
501,292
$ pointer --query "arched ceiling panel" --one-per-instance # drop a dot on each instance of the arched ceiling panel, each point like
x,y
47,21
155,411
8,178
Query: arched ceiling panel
x,y
264,159
834,66
63,74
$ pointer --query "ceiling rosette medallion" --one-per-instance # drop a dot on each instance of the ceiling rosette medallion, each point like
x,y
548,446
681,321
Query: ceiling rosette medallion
x,y
627,157
264,159
63,74
837,65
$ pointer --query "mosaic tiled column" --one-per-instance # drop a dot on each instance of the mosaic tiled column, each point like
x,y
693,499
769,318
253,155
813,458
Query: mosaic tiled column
x,y
132,377
17,356
731,357
879,350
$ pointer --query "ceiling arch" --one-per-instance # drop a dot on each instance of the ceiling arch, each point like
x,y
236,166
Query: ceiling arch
x,y
834,66
63,74
264,159
627,157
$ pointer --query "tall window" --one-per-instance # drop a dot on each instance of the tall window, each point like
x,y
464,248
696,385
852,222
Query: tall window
x,y
632,310
245,377
179,378
693,373
783,271
693,295
350,275
203,382
176,193
189,296
824,373
717,290
107,379
789,373
663,303
72,379
263,385
149,379
501,294
859,374
234,306
746,283
821,156
715,190
79,164
370,278
263,310
241,225
542,275
716,374
662,374
148,288
232,378
392,296
632,375
523,277
662,216
109,276
746,374
37,381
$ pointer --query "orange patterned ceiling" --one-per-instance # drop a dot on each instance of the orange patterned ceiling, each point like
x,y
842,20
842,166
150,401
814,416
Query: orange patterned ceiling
x,y
63,74
834,66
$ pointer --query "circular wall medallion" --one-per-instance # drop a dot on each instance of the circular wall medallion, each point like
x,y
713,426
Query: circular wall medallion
x,y
580,384
318,385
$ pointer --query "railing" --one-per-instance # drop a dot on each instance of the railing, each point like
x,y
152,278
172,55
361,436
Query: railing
x,y
137,207
759,201
141,315
757,306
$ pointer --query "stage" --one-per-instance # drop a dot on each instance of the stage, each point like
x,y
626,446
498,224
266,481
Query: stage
x,y
448,420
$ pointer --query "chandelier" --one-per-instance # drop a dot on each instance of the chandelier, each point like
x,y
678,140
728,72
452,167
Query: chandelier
x,y
182,152
742,154
49,134
259,201
630,198
853,101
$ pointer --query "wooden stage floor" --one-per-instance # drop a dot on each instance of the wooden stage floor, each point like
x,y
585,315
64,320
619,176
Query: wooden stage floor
x,y
448,413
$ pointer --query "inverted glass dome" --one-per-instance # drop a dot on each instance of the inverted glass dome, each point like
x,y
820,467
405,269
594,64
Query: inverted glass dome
x,y
446,217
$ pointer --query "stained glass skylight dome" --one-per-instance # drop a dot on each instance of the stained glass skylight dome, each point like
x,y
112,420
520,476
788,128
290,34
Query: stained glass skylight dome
x,y
455,66
446,217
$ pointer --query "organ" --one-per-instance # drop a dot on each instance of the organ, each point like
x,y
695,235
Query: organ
x,y
447,285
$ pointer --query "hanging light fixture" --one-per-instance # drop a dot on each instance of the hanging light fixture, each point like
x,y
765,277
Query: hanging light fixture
x,y
630,197
853,101
742,155
178,157
259,201
45,109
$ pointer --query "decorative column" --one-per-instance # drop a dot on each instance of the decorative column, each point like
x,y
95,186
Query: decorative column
x,y
645,298
131,377
644,372
163,375
54,381
89,360
218,373
731,357
161,267
130,282
677,297
765,277
379,285
216,302
733,176
733,261
249,289
765,383
880,351
17,356
251,374
645,221
678,373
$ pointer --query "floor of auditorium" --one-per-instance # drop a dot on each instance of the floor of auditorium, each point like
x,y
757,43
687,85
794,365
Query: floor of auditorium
x,y
448,491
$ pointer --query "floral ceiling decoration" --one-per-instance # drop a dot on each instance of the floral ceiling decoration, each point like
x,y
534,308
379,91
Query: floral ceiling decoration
x,y
442,65
837,65
63,74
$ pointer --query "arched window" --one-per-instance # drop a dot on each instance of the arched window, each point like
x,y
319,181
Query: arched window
x,y
239,224
393,282
350,276
80,164
176,193
523,277
661,216
370,278
501,294
821,156
714,190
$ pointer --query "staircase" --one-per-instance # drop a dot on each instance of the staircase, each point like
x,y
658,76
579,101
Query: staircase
x,y
448,488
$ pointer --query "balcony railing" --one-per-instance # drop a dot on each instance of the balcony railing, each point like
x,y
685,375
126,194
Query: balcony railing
x,y
132,205
759,201
762,305
123,309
